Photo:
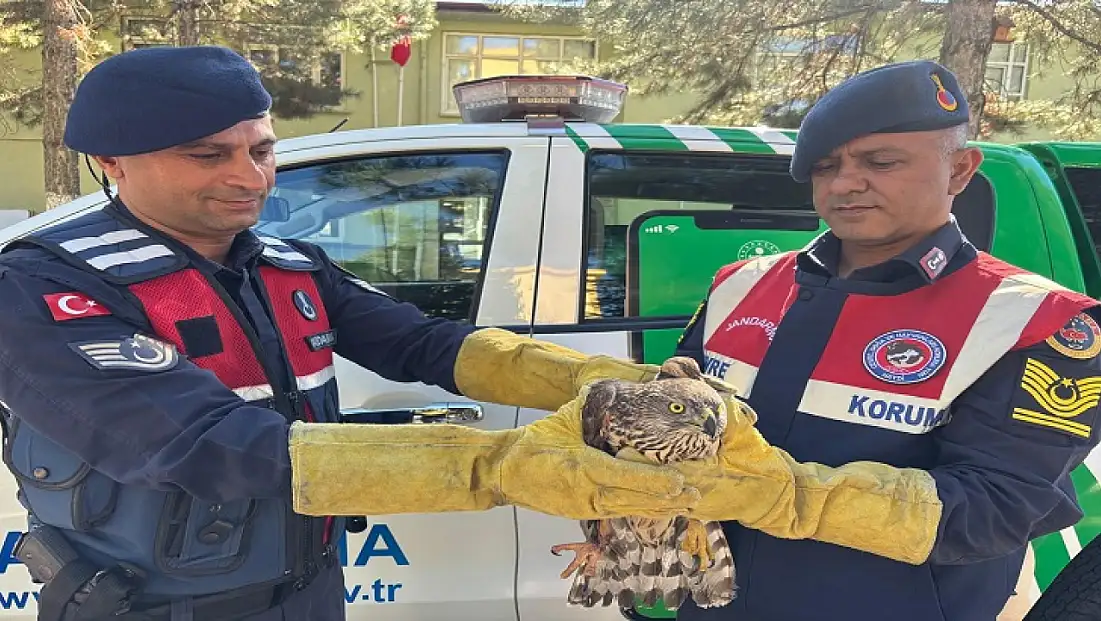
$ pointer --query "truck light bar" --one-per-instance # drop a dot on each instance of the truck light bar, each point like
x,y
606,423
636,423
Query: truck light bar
x,y
520,97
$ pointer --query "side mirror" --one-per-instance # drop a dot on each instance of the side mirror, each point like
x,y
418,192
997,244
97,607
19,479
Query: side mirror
x,y
276,209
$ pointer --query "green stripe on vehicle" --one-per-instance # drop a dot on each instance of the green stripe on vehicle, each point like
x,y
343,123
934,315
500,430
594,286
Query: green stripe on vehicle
x,y
645,137
578,140
742,141
1089,497
1051,558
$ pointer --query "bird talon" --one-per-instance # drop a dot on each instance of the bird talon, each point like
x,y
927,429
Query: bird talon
x,y
695,542
585,559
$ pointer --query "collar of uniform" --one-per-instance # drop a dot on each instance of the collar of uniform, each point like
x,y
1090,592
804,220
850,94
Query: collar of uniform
x,y
245,248
928,259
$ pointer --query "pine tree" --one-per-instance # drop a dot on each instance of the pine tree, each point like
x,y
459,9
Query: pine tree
x,y
299,37
751,61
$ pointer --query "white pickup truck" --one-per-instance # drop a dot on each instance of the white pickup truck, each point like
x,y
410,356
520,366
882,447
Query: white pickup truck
x,y
599,236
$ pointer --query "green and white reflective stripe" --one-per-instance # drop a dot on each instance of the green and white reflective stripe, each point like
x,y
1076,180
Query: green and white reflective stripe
x,y
778,140
698,138
591,136
681,138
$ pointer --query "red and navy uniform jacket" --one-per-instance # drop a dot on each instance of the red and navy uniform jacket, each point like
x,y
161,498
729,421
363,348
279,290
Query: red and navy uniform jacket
x,y
151,392
943,359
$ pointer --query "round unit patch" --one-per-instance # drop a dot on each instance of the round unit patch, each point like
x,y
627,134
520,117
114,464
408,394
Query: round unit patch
x,y
904,356
1080,338
757,248
304,305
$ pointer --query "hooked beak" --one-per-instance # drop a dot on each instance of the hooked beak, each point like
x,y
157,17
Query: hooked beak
x,y
710,426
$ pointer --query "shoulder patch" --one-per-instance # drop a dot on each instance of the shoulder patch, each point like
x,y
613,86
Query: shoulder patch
x,y
73,305
283,255
101,244
133,353
1080,338
1055,397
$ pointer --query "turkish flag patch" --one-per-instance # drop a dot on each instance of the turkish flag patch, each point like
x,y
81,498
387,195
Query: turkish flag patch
x,y
72,305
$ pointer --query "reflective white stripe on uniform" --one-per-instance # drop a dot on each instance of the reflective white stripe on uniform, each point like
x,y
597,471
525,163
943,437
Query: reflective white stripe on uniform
x,y
291,255
997,328
139,255
850,404
316,380
304,382
255,393
730,292
742,376
112,237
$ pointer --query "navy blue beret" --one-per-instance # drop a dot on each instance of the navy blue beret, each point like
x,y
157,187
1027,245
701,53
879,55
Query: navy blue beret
x,y
910,96
153,98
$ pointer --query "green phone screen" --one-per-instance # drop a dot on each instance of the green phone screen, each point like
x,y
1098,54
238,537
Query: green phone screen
x,y
673,255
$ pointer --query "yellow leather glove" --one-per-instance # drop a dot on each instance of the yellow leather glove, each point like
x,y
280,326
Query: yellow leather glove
x,y
502,367
348,469
869,506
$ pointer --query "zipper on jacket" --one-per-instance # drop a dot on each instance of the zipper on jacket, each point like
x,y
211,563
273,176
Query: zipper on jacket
x,y
301,411
283,403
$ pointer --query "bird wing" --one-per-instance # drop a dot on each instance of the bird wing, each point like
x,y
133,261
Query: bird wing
x,y
595,412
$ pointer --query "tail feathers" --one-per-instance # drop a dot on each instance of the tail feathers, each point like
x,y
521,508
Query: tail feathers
x,y
629,571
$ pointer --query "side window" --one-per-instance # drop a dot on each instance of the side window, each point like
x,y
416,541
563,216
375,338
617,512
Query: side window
x,y
1086,183
659,225
415,226
645,259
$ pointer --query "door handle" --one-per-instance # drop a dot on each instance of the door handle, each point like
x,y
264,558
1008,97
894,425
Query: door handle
x,y
453,413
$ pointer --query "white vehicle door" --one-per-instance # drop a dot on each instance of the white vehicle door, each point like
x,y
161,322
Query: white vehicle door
x,y
450,224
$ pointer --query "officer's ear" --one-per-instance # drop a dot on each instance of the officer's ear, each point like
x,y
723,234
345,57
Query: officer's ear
x,y
110,166
965,163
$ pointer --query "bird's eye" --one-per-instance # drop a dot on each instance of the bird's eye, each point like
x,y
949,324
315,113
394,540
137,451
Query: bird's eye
x,y
676,408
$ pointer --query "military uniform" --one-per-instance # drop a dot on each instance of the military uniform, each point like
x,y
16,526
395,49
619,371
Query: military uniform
x,y
171,421
86,324
929,409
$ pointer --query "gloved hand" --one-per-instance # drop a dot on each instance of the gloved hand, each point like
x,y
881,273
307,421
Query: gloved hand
x,y
869,506
347,469
502,367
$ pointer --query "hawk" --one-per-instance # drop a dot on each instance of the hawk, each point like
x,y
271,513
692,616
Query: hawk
x,y
678,416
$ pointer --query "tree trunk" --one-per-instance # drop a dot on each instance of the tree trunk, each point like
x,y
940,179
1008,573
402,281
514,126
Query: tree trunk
x,y
59,80
187,22
968,35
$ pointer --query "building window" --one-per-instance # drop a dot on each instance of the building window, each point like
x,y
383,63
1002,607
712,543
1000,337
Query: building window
x,y
473,56
139,32
327,71
1007,70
